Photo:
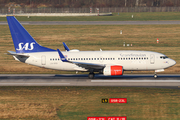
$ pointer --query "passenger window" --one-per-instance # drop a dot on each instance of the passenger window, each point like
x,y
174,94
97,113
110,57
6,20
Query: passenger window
x,y
94,58
97,58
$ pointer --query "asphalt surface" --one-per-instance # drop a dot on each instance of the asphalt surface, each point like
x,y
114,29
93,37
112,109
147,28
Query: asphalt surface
x,y
144,80
97,23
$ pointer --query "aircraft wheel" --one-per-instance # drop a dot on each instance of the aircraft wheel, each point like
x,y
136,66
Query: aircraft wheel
x,y
91,75
155,76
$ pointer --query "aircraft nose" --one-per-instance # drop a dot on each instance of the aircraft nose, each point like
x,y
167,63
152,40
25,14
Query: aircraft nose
x,y
172,62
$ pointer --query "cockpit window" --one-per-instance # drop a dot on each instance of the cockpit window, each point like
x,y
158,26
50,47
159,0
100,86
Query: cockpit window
x,y
163,57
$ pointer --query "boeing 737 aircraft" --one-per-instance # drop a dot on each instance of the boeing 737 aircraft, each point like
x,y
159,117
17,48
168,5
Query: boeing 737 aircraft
x,y
105,62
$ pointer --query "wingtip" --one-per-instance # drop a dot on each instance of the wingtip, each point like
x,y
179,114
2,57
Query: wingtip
x,y
63,59
66,47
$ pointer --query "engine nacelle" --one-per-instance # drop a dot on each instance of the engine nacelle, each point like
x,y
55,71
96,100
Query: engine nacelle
x,y
113,70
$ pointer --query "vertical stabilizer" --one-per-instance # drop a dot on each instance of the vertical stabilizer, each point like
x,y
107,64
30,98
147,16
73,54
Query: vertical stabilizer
x,y
23,41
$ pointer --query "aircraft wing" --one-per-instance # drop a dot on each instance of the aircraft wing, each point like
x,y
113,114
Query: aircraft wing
x,y
89,65
81,64
17,54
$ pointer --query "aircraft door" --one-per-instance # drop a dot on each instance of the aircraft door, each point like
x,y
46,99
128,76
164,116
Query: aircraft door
x,y
152,59
43,60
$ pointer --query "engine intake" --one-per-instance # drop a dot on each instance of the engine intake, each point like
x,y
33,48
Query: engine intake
x,y
113,70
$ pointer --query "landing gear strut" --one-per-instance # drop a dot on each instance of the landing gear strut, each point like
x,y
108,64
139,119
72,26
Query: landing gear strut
x,y
91,75
155,75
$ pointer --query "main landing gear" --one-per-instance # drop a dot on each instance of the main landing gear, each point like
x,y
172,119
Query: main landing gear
x,y
91,75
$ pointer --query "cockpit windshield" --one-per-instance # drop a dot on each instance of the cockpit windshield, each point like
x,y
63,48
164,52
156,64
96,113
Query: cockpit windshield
x,y
163,57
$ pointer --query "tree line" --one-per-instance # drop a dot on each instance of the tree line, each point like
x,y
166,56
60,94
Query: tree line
x,y
91,3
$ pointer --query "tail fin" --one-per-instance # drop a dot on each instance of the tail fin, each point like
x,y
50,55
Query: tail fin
x,y
23,41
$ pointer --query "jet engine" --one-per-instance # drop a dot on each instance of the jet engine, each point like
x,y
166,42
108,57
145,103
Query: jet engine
x,y
113,70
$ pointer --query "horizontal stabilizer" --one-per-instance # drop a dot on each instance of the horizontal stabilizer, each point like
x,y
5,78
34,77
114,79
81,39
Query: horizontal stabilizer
x,y
17,54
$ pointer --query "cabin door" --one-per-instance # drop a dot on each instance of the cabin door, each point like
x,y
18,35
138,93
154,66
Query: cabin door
x,y
152,59
43,60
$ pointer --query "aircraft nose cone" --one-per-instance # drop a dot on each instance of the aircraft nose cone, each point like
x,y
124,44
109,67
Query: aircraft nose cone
x,y
172,62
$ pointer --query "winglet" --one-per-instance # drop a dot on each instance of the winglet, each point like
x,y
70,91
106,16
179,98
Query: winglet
x,y
66,47
63,59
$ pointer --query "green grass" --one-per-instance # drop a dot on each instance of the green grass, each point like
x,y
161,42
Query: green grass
x,y
142,16
77,103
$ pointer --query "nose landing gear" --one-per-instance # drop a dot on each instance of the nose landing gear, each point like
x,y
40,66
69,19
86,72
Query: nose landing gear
x,y
155,75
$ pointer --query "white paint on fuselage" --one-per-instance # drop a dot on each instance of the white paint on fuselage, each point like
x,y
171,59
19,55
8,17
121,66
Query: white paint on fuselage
x,y
130,60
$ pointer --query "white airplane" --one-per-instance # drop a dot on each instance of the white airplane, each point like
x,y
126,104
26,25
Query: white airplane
x,y
105,62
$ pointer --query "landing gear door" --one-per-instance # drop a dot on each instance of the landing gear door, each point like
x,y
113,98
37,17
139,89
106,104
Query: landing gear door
x,y
43,60
152,59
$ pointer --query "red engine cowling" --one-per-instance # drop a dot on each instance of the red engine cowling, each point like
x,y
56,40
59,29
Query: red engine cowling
x,y
113,70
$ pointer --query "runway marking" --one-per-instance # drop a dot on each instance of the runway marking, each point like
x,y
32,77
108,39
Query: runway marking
x,y
162,81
